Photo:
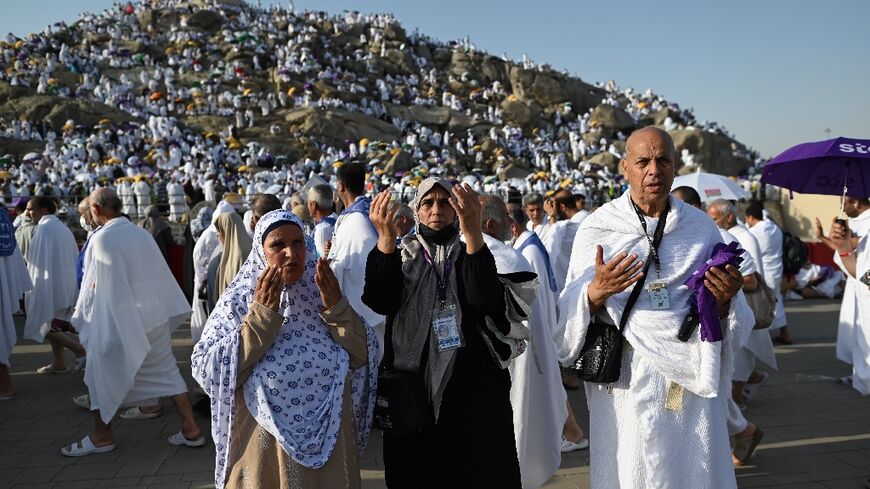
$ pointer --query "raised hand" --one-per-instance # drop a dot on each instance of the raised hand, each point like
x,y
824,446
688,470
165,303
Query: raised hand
x,y
841,236
466,203
330,290
269,287
820,235
382,214
723,284
612,277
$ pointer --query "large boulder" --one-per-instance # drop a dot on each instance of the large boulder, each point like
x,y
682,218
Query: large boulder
x,y
57,110
713,152
7,92
611,118
434,115
607,160
401,161
339,126
395,32
162,19
206,20
399,62
550,88
520,113
494,69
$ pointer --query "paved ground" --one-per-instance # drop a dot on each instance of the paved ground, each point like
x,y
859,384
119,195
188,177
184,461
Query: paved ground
x,y
818,432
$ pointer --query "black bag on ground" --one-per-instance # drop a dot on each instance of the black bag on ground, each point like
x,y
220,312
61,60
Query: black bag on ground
x,y
600,359
401,405
794,254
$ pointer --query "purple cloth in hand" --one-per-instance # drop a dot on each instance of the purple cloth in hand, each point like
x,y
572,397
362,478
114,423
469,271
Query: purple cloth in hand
x,y
708,311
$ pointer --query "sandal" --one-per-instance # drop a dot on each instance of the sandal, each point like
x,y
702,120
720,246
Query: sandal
x,y
82,401
49,369
744,447
80,364
137,413
85,447
570,446
750,390
179,439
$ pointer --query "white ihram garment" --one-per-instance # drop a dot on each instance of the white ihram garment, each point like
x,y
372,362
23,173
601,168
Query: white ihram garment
x,y
537,396
769,238
51,261
129,306
861,331
759,345
352,239
14,282
635,440
203,251
849,309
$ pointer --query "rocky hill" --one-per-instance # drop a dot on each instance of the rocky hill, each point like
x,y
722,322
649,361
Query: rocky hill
x,y
268,84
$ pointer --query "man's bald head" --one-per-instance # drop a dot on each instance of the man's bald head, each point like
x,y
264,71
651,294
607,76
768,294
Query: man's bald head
x,y
494,217
105,205
688,195
649,165
641,136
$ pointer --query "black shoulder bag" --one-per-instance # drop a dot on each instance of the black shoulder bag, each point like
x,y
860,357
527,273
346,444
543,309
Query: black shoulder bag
x,y
402,406
600,359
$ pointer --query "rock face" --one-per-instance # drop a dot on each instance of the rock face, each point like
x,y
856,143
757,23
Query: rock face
x,y
57,110
550,88
206,20
340,126
607,160
611,119
713,152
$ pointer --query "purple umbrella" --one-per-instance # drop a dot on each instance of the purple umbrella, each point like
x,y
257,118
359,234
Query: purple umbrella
x,y
838,166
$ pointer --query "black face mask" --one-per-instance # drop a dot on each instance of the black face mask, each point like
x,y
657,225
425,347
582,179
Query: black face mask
x,y
440,237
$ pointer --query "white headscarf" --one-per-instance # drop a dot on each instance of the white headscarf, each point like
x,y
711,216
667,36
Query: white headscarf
x,y
295,391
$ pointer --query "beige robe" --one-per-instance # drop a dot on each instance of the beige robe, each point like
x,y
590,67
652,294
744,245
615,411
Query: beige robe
x,y
257,460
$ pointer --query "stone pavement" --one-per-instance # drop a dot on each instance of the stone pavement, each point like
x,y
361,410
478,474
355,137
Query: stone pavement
x,y
817,432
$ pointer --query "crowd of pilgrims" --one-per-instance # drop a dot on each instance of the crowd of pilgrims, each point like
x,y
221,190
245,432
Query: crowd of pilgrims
x,y
161,159
292,311
305,282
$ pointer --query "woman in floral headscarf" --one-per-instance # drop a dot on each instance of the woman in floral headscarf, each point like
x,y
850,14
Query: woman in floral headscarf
x,y
291,383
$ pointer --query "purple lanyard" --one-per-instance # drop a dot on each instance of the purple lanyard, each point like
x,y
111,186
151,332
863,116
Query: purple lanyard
x,y
442,281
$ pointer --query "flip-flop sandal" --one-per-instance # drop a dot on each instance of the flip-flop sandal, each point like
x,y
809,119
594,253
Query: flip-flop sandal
x,y
80,364
49,369
85,447
178,439
82,400
137,413
750,390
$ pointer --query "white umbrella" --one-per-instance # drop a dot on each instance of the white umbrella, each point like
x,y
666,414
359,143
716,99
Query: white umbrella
x,y
711,186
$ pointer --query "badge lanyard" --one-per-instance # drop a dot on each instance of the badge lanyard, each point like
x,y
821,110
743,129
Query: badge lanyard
x,y
658,289
653,250
442,280
444,316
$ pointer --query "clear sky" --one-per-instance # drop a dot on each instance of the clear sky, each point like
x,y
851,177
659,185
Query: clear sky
x,y
774,72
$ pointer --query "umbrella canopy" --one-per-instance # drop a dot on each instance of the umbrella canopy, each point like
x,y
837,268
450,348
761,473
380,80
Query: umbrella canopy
x,y
711,186
833,167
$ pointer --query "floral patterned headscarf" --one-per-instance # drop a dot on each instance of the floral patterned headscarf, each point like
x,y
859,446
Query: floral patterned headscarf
x,y
295,391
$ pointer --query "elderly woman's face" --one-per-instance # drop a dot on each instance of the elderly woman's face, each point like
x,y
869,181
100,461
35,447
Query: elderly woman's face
x,y
284,247
435,210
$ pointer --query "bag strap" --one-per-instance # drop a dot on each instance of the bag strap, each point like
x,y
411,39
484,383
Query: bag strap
x,y
635,292
387,361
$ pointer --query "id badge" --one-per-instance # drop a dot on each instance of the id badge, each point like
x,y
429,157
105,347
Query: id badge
x,y
446,328
658,296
